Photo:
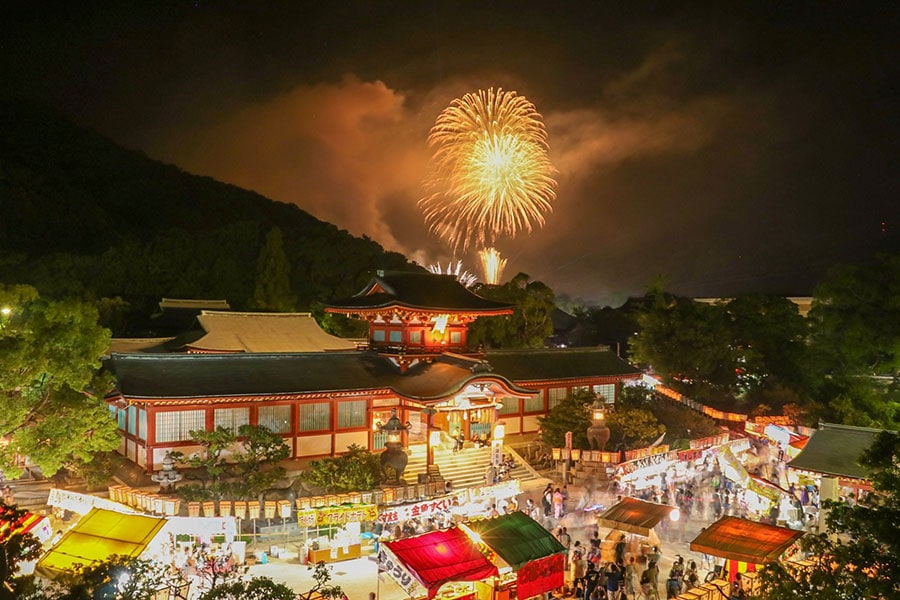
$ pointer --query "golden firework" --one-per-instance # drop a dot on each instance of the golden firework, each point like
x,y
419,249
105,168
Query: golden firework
x,y
492,265
491,175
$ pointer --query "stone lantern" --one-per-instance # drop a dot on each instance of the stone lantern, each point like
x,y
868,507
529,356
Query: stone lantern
x,y
168,476
598,432
394,458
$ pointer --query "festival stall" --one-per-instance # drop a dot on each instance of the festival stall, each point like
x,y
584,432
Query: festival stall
x,y
444,564
744,545
528,557
36,525
631,515
97,536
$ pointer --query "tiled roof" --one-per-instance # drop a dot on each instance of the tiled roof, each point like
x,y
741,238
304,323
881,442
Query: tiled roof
x,y
569,363
223,375
265,332
425,291
835,450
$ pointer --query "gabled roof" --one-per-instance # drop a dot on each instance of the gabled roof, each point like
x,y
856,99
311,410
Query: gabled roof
x,y
835,450
425,292
748,541
264,332
133,345
161,376
517,538
440,557
569,363
634,516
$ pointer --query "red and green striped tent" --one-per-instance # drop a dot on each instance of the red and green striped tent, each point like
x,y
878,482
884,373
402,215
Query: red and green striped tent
x,y
537,558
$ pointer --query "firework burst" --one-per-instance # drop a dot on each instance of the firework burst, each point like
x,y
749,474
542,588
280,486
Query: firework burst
x,y
462,276
491,175
492,265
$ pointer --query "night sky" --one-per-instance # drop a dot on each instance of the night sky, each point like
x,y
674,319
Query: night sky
x,y
729,147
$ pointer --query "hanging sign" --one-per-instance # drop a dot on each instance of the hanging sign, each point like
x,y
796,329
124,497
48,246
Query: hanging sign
x,y
389,563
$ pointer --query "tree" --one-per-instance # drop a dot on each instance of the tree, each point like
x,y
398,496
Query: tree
x,y
859,557
117,577
51,396
770,338
855,334
570,414
15,548
322,576
688,344
256,462
273,276
211,466
528,327
355,470
257,588
633,427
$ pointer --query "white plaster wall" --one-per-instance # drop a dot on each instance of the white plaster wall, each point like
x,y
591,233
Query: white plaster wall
x,y
314,445
130,450
530,423
342,441
512,426
142,456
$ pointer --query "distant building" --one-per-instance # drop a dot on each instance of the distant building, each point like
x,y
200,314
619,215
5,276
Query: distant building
x,y
804,303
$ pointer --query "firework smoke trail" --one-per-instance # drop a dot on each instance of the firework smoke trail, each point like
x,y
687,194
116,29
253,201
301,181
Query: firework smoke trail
x,y
491,175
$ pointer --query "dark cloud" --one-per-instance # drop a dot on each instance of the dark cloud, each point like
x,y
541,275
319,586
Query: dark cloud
x,y
728,148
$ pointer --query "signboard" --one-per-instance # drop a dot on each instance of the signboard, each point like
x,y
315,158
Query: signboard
x,y
426,509
83,503
389,563
337,515
654,460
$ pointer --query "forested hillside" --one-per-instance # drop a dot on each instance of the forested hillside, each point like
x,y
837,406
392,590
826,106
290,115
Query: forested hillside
x,y
81,215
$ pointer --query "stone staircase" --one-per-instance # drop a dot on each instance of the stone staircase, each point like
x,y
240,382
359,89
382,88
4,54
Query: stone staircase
x,y
464,469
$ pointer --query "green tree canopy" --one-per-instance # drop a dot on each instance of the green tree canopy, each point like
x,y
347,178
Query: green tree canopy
x,y
528,327
859,556
15,548
688,344
51,396
354,471
256,460
572,413
273,276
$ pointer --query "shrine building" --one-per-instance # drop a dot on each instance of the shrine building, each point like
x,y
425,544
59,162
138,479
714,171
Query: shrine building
x,y
322,393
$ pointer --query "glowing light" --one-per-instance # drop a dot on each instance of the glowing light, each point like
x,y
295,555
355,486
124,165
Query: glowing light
x,y
462,276
492,265
5,311
491,175
440,322
675,515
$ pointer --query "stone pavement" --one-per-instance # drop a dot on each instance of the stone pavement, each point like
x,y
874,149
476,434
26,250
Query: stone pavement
x,y
359,577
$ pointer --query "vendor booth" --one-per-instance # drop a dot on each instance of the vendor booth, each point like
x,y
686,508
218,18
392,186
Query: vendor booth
x,y
633,516
97,536
444,564
744,545
19,524
531,560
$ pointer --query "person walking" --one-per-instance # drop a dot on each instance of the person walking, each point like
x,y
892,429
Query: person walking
x,y
613,582
557,504
631,578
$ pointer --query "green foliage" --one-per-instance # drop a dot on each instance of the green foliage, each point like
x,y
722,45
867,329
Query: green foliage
x,y
257,588
528,327
14,550
570,414
859,557
633,427
322,577
51,403
355,470
118,577
273,277
256,461
681,423
855,320
211,468
688,344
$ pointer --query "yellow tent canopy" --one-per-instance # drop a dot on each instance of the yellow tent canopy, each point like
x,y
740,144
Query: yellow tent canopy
x,y
99,535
